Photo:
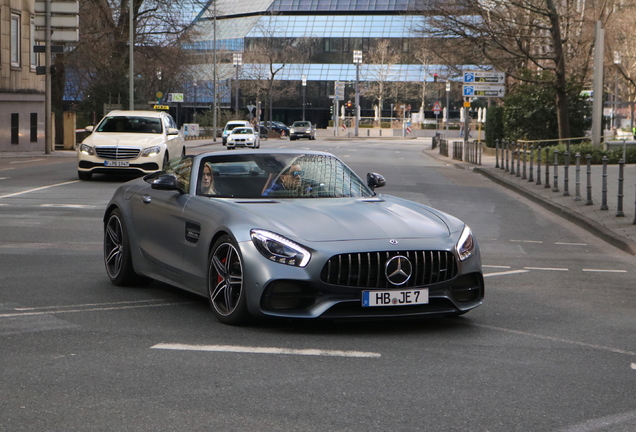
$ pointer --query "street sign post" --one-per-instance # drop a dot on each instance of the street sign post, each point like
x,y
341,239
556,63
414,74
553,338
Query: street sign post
x,y
484,77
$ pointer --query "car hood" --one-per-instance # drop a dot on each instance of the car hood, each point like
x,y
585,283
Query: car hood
x,y
349,219
124,139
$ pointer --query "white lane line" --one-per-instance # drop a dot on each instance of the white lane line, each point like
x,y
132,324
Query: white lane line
x,y
77,206
604,271
26,161
496,266
506,273
3,178
547,268
527,241
633,366
96,309
556,339
614,422
266,350
570,244
39,188
88,305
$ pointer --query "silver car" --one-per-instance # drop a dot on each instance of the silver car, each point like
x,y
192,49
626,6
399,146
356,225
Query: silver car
x,y
302,129
293,234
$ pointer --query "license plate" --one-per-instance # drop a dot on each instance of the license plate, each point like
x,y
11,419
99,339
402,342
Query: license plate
x,y
394,298
109,163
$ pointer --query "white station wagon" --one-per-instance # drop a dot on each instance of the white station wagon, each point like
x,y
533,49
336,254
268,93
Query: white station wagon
x,y
125,141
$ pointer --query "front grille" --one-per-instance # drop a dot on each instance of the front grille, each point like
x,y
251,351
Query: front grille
x,y
367,269
117,153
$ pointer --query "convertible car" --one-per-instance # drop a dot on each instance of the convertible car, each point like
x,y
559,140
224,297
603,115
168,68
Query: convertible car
x,y
288,233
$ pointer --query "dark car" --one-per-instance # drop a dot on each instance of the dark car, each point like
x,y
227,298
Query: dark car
x,y
289,234
277,127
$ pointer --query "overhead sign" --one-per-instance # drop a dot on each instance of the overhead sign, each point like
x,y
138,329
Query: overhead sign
x,y
484,77
484,90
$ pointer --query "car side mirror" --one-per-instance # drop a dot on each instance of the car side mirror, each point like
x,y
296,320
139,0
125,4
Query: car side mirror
x,y
89,129
173,131
375,180
166,182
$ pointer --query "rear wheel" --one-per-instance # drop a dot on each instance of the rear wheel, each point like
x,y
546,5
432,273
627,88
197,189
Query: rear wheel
x,y
226,292
117,257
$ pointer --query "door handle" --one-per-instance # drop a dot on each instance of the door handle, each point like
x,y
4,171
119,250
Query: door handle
x,y
146,199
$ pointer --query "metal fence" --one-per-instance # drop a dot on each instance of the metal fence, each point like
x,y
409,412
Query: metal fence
x,y
469,151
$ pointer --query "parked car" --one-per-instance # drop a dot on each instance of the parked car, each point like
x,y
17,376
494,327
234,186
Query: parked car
x,y
131,141
243,137
277,127
229,126
289,234
302,129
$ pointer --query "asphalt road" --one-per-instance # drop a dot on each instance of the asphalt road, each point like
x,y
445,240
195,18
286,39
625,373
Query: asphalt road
x,y
553,348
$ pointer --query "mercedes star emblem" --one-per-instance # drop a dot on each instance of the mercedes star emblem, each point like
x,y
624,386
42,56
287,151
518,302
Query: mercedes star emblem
x,y
398,270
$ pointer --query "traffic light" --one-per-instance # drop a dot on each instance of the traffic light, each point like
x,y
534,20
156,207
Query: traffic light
x,y
434,77
348,109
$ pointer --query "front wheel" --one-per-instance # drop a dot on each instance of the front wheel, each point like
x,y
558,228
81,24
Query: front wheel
x,y
226,292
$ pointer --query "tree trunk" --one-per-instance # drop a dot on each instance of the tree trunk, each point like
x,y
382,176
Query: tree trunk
x,y
560,84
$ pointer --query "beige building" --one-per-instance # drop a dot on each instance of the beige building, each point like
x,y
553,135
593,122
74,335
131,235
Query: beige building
x,y
22,91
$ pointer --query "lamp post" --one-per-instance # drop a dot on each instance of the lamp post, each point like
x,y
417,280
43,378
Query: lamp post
x,y
617,62
447,105
304,94
357,60
238,61
131,55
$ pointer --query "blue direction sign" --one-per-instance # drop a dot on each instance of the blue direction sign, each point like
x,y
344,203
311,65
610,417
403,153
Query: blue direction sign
x,y
484,77
484,90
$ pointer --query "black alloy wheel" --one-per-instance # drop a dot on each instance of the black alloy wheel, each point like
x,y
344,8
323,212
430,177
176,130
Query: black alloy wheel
x,y
226,292
117,257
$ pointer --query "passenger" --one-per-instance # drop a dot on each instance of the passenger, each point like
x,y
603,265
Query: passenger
x,y
207,180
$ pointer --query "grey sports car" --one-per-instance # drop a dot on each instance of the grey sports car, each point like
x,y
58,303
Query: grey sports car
x,y
293,234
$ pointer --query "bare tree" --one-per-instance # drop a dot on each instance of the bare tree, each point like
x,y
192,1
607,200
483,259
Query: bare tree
x,y
523,38
380,63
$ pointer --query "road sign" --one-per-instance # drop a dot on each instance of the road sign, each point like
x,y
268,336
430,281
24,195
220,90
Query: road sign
x,y
437,107
484,77
175,97
484,90
339,90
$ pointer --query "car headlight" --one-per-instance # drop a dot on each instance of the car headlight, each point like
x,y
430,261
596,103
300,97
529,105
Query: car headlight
x,y
465,247
279,249
151,151
87,150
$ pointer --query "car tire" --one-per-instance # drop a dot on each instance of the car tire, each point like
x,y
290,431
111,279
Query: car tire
x,y
166,159
226,292
183,151
117,258
84,175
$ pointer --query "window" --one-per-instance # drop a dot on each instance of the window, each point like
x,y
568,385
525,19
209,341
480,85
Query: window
x,y
34,127
15,128
34,56
15,40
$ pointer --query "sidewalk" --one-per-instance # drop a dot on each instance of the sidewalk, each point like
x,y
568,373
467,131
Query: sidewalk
x,y
619,231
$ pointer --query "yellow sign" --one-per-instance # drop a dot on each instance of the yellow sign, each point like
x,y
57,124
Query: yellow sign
x,y
466,104
162,107
159,94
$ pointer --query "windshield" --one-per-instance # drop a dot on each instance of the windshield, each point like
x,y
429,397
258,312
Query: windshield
x,y
301,124
129,124
243,131
278,176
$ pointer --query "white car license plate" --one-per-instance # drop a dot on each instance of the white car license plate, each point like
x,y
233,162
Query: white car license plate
x,y
394,298
109,163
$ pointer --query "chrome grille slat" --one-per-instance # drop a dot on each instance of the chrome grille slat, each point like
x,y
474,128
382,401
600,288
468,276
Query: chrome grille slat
x,y
367,269
117,153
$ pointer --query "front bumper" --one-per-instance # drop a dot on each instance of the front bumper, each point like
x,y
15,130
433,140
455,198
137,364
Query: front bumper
x,y
140,164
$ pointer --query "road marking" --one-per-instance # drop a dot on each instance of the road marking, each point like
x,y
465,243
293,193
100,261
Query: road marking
x,y
39,188
496,266
61,310
570,244
604,271
617,422
266,350
633,366
506,273
78,206
26,161
556,339
547,268
3,178
527,241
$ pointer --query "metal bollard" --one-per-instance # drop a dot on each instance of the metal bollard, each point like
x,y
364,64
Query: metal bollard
x,y
547,168
589,180
539,165
525,157
555,187
497,153
518,160
619,208
566,179
512,162
531,179
577,187
507,155
604,190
